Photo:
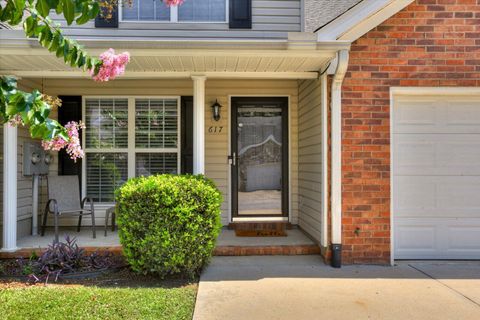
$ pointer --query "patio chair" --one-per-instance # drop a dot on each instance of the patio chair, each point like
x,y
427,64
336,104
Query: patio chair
x,y
64,200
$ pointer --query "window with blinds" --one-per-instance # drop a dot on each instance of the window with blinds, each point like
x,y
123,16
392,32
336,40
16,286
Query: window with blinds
x,y
202,10
189,11
147,164
105,173
156,123
146,10
107,123
152,130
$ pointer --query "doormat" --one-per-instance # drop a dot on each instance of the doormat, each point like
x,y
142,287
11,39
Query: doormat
x,y
260,233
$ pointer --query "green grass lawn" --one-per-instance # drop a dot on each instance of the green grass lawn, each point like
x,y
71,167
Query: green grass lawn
x,y
97,302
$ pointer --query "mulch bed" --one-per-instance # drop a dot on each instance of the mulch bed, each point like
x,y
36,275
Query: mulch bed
x,y
122,277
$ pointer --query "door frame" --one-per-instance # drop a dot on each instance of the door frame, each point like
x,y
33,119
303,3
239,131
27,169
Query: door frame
x,y
286,159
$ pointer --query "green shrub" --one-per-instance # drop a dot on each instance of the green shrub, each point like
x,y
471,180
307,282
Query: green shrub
x,y
168,224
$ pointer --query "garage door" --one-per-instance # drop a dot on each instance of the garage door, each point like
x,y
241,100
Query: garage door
x,y
436,177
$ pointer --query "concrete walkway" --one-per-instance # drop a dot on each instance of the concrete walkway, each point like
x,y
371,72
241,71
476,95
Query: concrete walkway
x,y
302,287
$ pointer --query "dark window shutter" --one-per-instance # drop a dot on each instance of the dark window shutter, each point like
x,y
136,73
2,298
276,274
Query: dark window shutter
x,y
110,23
240,14
71,110
187,135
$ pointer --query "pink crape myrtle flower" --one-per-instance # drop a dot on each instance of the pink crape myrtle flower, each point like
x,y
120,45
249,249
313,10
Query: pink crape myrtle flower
x,y
173,3
72,146
113,65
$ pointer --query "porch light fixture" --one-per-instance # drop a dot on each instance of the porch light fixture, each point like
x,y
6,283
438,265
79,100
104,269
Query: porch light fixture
x,y
216,110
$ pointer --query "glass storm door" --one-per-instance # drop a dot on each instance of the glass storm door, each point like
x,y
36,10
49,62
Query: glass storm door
x,y
259,158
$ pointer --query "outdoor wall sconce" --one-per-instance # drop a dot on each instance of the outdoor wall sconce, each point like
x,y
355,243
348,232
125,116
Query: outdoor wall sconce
x,y
216,110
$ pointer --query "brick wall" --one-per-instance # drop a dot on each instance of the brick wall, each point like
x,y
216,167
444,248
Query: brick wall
x,y
429,43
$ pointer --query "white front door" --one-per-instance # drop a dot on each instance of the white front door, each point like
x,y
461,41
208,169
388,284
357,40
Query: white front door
x,y
436,177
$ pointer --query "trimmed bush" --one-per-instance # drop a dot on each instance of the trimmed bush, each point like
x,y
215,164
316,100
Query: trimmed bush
x,y
168,224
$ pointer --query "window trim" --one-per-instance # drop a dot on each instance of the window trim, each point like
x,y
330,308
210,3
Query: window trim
x,y
131,149
174,17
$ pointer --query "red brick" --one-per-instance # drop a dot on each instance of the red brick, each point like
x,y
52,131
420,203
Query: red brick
x,y
429,43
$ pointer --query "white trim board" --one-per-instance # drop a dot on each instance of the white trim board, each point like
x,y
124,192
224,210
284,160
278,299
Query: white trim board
x,y
167,75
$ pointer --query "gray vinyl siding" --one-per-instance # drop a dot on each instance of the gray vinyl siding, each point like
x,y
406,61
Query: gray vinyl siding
x,y
271,19
310,157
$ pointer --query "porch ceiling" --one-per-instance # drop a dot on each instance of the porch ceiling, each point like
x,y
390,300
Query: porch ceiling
x,y
296,57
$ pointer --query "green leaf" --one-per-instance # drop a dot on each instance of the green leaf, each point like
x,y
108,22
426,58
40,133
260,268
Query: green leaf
x,y
45,37
55,42
29,26
19,5
94,10
59,8
66,49
85,17
81,59
53,3
72,56
39,131
68,11
60,50
43,7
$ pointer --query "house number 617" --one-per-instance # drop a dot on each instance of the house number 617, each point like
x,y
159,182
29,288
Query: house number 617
x,y
215,129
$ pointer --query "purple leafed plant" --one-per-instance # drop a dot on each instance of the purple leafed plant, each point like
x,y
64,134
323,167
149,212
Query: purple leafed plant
x,y
67,257
60,258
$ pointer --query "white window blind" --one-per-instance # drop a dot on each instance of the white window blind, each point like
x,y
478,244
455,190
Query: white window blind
x,y
120,144
202,10
189,11
107,123
156,123
147,164
146,10
105,173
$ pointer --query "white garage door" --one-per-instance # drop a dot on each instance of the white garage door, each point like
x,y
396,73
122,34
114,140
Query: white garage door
x,y
436,177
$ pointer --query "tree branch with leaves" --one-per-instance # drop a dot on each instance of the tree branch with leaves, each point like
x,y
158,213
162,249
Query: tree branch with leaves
x,y
32,109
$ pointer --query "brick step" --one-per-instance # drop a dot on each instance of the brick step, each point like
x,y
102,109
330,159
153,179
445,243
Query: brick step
x,y
260,250
260,229
284,250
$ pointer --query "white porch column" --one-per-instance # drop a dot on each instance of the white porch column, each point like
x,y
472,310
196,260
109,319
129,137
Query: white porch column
x,y
9,188
199,124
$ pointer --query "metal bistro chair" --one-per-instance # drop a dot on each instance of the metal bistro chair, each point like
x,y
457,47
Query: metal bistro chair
x,y
64,200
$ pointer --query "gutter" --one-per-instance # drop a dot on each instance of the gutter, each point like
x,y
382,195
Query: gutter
x,y
295,41
336,175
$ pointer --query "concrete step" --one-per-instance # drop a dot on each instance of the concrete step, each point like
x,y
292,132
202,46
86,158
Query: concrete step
x,y
294,241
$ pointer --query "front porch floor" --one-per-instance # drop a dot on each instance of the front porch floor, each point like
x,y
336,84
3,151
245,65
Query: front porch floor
x,y
228,244
84,238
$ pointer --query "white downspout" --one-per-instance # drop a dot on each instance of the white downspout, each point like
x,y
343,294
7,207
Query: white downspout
x,y
324,112
336,179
